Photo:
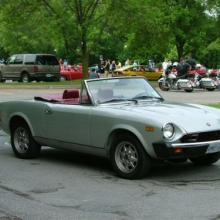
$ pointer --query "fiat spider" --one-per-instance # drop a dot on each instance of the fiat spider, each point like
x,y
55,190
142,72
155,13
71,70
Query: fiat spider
x,y
122,118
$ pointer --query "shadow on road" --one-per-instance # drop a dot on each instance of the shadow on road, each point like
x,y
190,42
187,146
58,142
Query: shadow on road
x,y
175,172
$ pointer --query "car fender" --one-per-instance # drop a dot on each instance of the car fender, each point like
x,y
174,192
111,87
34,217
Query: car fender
x,y
26,119
135,132
161,79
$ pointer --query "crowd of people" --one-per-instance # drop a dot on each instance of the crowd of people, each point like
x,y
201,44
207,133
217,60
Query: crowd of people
x,y
107,67
104,69
182,67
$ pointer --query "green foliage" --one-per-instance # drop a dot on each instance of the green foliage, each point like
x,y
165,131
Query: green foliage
x,y
211,55
82,30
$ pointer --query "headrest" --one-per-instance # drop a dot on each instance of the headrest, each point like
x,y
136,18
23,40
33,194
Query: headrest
x,y
70,93
105,94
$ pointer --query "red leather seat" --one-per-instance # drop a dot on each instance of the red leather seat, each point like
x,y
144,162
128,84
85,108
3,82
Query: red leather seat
x,y
71,94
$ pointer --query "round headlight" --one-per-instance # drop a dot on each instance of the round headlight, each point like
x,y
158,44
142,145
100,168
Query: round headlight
x,y
168,130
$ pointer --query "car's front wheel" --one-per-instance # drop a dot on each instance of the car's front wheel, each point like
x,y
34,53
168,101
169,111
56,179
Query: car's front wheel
x,y
206,159
23,144
164,86
25,78
128,158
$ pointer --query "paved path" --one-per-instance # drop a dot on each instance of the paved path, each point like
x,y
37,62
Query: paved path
x,y
197,96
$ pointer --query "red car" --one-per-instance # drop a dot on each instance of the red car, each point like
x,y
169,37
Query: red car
x,y
71,72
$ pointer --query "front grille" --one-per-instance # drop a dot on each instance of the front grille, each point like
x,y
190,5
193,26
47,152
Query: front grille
x,y
201,137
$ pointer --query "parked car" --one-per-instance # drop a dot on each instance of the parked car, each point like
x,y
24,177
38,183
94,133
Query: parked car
x,y
27,67
120,118
138,70
71,72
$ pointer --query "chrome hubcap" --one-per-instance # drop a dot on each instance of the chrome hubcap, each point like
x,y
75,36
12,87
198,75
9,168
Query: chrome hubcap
x,y
25,78
126,157
21,140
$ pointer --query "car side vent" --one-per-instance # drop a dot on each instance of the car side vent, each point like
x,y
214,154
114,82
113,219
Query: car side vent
x,y
201,137
190,138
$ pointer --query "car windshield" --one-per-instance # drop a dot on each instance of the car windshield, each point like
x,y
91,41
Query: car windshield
x,y
133,89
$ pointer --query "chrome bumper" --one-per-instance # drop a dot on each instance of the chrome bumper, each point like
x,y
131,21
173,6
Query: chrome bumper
x,y
213,146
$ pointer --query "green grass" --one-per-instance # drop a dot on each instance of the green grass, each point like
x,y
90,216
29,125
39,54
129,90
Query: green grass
x,y
43,85
35,85
216,105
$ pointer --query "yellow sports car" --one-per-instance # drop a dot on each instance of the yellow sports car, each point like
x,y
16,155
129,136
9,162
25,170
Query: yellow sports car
x,y
139,70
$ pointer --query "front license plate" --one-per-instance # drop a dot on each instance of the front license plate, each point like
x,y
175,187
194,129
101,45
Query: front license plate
x,y
48,75
213,148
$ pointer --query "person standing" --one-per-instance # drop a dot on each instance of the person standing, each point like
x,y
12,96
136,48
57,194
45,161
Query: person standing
x,y
118,65
107,67
102,69
93,73
127,62
112,67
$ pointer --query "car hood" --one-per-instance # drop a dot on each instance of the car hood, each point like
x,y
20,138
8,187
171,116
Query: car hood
x,y
189,117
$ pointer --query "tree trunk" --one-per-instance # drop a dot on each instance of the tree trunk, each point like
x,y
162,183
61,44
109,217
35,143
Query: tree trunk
x,y
84,53
180,47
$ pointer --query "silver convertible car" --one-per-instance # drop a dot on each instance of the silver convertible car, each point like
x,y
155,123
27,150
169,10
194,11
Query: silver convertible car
x,y
121,118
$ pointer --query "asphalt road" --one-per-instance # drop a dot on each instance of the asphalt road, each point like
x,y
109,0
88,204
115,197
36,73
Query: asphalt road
x,y
65,185
197,96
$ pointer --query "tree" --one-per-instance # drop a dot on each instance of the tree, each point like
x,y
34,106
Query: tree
x,y
211,55
185,19
81,30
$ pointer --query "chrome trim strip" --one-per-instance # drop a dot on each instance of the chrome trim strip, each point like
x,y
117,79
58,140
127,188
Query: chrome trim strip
x,y
196,144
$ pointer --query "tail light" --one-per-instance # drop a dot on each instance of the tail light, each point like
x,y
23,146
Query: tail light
x,y
35,69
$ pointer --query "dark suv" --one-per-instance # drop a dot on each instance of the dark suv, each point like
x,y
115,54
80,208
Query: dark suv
x,y
27,67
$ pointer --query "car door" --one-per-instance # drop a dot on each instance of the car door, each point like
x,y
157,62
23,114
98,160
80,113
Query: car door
x,y
67,123
10,67
53,65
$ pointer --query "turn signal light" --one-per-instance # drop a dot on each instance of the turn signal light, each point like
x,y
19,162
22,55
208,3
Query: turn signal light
x,y
178,151
149,129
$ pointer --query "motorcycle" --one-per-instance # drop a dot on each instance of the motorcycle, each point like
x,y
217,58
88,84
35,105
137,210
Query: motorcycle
x,y
213,74
200,82
171,81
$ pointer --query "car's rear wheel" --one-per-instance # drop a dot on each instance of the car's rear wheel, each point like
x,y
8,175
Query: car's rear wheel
x,y
128,158
25,78
23,144
188,90
1,78
210,89
63,78
206,159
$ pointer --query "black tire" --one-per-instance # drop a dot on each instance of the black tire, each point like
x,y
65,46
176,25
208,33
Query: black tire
x,y
188,90
210,89
206,159
25,78
63,78
1,78
23,144
163,88
128,157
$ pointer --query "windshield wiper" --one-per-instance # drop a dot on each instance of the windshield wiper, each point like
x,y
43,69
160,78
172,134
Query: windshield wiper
x,y
134,99
119,100
148,97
